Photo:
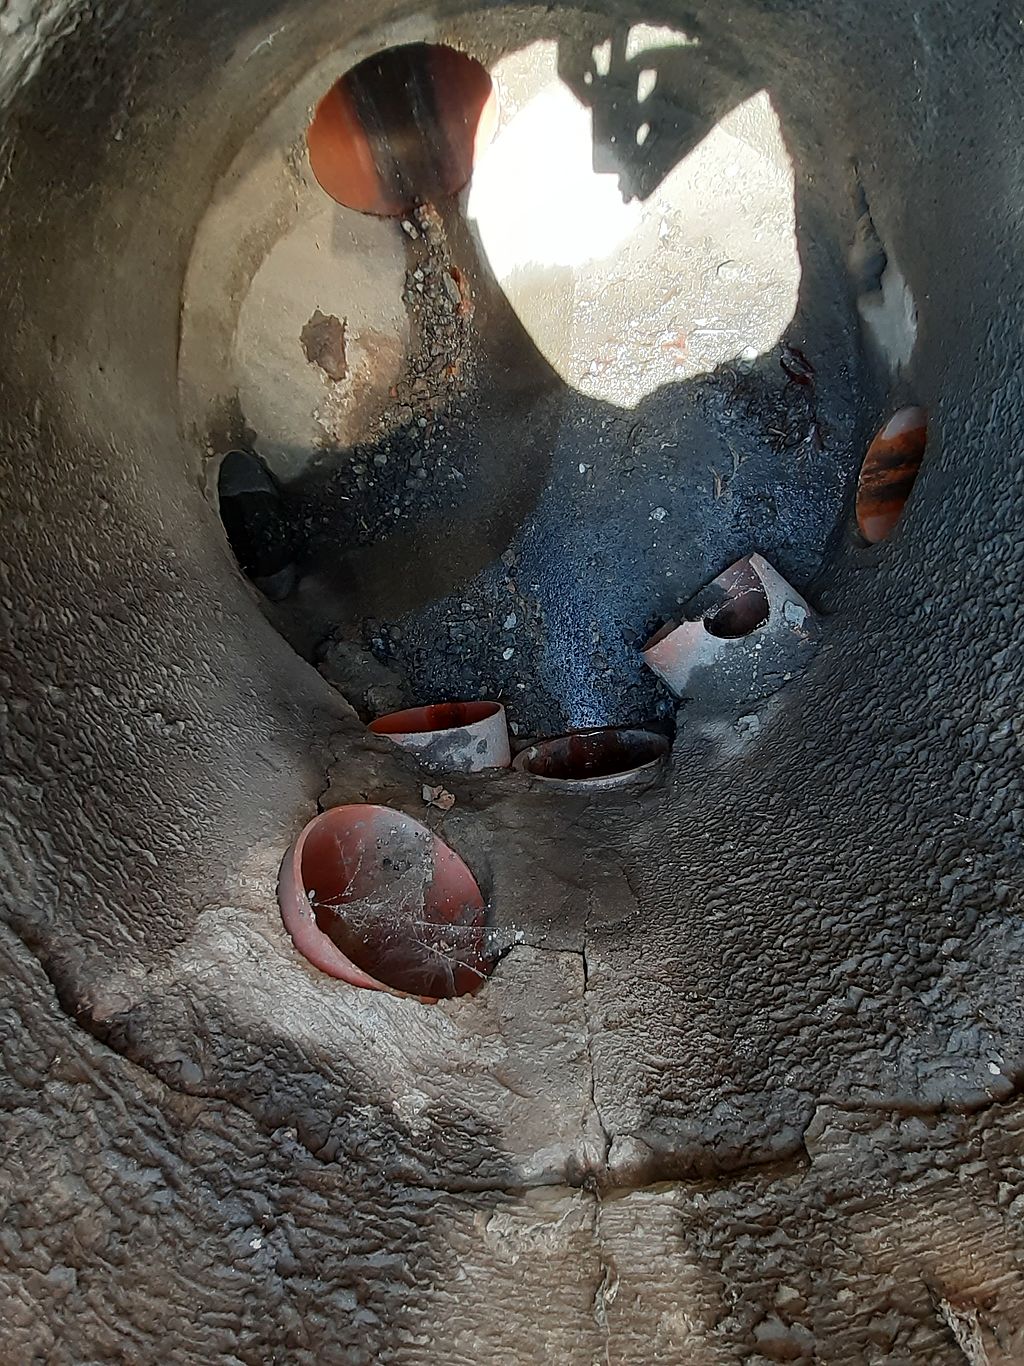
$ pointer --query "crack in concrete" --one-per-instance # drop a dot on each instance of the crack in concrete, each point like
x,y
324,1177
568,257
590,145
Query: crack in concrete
x,y
589,1035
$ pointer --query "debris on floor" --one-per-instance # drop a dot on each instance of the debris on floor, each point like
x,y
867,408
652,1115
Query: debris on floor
x,y
370,687
439,797
409,461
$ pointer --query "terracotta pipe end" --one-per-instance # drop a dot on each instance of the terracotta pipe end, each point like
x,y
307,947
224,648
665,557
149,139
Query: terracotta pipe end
x,y
452,737
739,634
595,759
372,897
888,473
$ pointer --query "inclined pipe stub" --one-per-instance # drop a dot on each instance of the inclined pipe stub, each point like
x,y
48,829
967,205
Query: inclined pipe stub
x,y
451,737
372,897
742,638
595,760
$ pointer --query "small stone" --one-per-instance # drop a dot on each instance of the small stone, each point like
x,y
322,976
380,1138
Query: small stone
x,y
659,514
439,797
794,613
380,459
510,621
407,227
507,654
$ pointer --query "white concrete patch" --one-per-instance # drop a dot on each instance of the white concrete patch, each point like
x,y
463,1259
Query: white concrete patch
x,y
890,316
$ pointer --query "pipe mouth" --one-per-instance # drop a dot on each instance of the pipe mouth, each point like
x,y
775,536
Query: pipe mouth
x,y
607,756
452,737
251,511
745,611
889,471
739,601
403,127
438,716
374,898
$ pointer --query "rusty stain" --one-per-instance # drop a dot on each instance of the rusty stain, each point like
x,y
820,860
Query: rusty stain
x,y
464,305
323,342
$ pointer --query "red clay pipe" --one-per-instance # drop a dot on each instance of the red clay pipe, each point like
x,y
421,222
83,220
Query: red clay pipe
x,y
452,737
744,633
596,759
402,128
372,897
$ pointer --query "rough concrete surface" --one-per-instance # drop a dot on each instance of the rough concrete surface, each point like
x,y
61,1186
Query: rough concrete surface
x,y
747,1087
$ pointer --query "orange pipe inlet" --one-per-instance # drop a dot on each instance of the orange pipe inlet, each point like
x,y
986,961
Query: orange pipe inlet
x,y
888,473
403,127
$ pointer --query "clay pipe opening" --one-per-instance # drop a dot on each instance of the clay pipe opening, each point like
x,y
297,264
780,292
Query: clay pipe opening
x,y
402,128
608,756
374,898
888,473
452,737
742,634
745,608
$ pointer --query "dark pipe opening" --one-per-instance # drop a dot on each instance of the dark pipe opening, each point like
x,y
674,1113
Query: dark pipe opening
x,y
593,754
255,522
743,613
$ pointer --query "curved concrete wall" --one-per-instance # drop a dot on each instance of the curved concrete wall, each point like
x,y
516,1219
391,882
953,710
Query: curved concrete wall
x,y
793,969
